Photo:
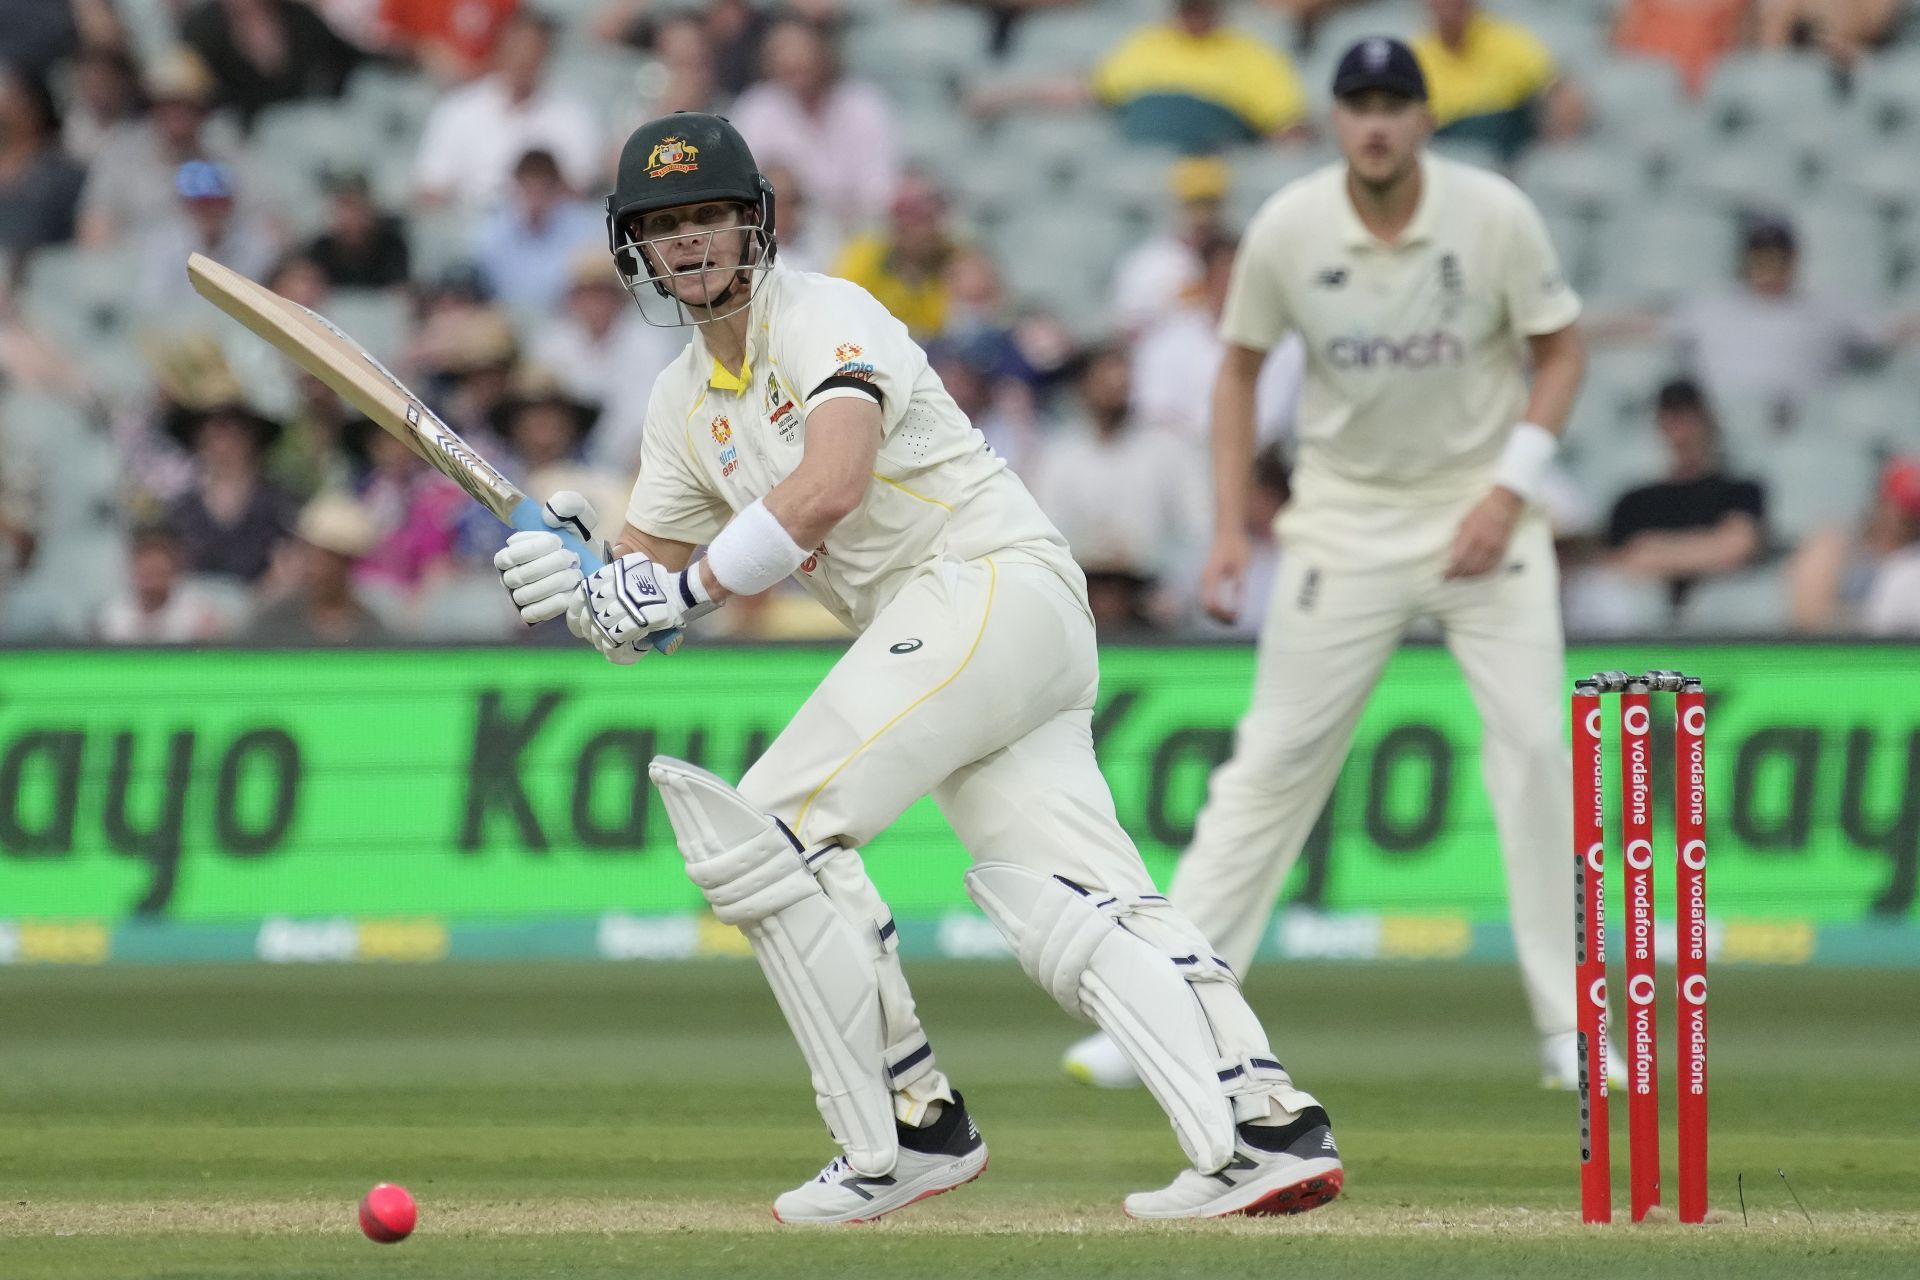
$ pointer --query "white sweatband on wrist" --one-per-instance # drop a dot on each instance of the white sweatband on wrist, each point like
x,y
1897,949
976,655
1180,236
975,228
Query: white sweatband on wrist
x,y
1524,462
754,552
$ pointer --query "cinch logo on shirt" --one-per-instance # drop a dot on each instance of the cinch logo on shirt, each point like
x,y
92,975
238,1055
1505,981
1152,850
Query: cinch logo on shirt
x,y
1420,351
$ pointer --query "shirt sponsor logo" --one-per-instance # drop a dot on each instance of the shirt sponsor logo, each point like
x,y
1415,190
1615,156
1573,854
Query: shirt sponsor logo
x,y
847,356
723,436
722,430
672,155
1417,351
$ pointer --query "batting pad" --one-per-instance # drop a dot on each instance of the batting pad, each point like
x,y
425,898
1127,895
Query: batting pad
x,y
1134,987
820,966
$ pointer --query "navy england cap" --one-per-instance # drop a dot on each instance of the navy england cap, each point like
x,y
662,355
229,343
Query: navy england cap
x,y
1380,62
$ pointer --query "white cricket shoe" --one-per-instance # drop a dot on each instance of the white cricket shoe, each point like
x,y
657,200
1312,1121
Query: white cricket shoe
x,y
1293,1168
1560,1063
946,1154
1097,1061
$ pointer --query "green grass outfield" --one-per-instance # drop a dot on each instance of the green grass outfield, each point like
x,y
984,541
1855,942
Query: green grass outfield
x,y
634,1121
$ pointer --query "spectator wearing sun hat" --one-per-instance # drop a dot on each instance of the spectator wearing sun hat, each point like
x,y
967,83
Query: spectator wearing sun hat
x,y
323,607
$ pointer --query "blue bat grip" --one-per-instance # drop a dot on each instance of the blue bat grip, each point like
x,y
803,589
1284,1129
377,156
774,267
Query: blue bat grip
x,y
528,514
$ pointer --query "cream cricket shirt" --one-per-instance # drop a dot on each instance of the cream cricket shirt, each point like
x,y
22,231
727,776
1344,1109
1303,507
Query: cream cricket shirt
x,y
1414,349
715,443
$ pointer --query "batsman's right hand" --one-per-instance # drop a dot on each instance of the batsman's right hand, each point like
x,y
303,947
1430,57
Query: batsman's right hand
x,y
538,572
1226,571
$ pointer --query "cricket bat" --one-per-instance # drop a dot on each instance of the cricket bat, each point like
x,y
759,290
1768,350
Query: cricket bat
x,y
314,343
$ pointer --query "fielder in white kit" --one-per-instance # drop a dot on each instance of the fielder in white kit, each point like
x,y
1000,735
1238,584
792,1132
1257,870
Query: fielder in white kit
x,y
1420,287
803,432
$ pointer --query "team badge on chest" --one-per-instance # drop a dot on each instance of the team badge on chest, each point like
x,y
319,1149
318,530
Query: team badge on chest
x,y
782,413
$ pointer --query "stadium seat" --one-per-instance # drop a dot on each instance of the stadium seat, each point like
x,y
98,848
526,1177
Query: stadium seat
x,y
1133,181
1815,480
1750,603
1589,178
1741,175
1844,253
1881,175
1632,95
439,240
1752,426
393,104
1064,264
316,134
1625,378
79,539
946,41
1751,90
1887,86
1879,412
83,301
1258,172
1066,41
1659,255
1599,605
1055,148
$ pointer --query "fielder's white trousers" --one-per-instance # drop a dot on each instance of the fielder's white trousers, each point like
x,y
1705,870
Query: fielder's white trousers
x,y
976,685
1327,636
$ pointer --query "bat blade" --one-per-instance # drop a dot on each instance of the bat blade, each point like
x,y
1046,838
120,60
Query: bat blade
x,y
317,345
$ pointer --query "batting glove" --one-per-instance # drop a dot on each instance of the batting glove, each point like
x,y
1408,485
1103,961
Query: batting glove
x,y
634,597
539,573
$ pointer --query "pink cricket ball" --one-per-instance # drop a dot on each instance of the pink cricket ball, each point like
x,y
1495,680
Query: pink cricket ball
x,y
387,1214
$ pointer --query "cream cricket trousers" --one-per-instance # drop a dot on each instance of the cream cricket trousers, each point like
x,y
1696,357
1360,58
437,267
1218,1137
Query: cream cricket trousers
x,y
976,685
1327,636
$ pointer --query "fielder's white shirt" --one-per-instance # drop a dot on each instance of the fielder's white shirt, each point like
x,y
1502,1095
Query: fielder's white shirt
x,y
1415,349
715,443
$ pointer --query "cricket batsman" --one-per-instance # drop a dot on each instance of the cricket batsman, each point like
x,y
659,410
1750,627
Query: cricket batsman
x,y
802,432
1423,289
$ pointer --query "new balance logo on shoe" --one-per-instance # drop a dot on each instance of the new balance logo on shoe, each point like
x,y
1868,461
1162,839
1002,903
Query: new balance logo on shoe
x,y
1326,1142
1241,1161
858,1184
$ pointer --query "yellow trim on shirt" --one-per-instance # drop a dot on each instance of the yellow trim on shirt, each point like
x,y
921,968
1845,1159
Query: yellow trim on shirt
x,y
721,380
910,493
993,581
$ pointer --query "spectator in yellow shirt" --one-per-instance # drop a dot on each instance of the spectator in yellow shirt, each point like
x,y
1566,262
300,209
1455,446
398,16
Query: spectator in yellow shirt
x,y
1492,81
905,266
1194,84
1190,83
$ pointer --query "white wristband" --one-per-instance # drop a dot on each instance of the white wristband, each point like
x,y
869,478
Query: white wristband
x,y
754,552
1524,462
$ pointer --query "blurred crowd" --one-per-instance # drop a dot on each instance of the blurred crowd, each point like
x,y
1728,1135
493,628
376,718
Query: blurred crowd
x,y
1046,192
